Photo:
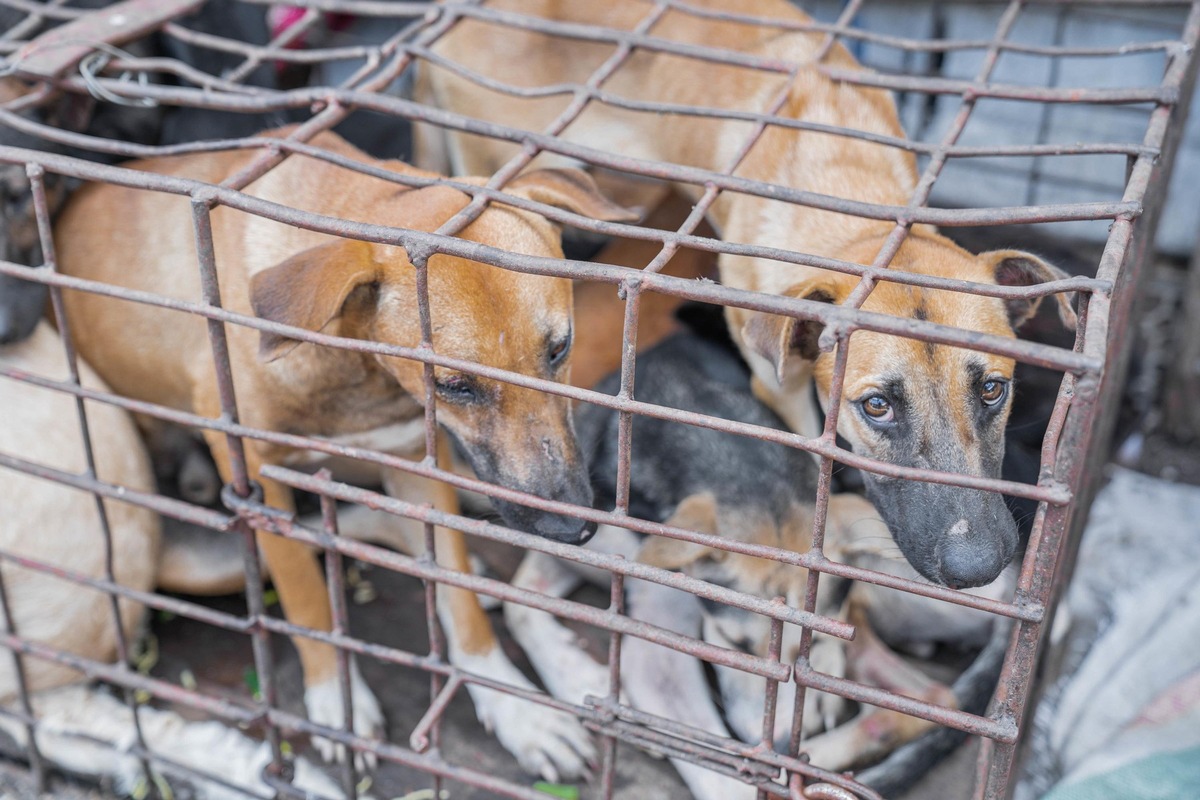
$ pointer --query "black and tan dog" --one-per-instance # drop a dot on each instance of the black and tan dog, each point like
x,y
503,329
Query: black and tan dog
x,y
750,491
904,402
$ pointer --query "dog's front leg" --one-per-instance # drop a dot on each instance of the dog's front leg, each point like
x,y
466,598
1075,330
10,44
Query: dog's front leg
x,y
303,595
875,732
566,669
545,741
671,684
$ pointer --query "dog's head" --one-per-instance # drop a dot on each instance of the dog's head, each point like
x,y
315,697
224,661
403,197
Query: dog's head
x,y
515,437
924,405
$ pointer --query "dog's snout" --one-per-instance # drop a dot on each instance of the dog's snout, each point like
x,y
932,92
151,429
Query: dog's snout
x,y
561,528
965,562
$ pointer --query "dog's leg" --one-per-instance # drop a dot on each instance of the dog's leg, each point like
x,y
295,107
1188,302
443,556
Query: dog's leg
x,y
875,732
672,685
566,669
364,524
545,741
72,718
300,583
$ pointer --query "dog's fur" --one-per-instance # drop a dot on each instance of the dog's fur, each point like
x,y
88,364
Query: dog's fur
x,y
747,490
60,526
954,536
515,437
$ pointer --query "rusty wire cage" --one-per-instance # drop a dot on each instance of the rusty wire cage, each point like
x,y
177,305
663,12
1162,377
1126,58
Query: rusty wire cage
x,y
1092,371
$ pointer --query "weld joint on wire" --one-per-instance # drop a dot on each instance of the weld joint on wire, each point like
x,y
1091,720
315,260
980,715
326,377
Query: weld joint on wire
x,y
604,707
242,506
205,196
830,337
418,254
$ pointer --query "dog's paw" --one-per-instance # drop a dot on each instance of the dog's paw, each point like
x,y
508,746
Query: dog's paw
x,y
708,785
545,741
822,709
310,780
324,704
575,675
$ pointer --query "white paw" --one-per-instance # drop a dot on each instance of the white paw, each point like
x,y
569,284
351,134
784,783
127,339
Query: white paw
x,y
309,779
822,709
546,742
708,785
324,704
577,676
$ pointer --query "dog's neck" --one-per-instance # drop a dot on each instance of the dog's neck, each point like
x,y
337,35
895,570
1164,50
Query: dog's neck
x,y
825,164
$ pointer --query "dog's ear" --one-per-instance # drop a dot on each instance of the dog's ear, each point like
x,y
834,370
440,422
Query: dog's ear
x,y
571,190
308,290
697,512
777,338
1017,268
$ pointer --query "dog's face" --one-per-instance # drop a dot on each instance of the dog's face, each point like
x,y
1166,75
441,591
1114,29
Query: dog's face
x,y
925,405
514,437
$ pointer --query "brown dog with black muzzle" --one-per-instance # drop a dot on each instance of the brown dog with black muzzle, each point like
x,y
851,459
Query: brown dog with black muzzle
x,y
904,402
515,437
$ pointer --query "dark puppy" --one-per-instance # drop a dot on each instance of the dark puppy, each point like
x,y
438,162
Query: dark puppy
x,y
739,488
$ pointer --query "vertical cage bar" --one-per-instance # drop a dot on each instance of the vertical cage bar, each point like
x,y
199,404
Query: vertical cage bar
x,y
608,766
41,207
335,580
242,486
1088,427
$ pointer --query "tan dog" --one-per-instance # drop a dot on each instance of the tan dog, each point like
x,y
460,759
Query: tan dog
x,y
515,437
904,402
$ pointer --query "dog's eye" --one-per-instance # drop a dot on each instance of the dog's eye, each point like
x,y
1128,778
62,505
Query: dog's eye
x,y
558,350
878,408
458,389
993,391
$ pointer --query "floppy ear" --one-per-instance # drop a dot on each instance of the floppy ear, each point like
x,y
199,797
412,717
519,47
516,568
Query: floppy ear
x,y
776,338
698,512
308,290
1017,268
571,190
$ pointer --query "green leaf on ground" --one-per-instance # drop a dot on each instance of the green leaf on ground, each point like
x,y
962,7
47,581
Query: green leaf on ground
x,y
560,790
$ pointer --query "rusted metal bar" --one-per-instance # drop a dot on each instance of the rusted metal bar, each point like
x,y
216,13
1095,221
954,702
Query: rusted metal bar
x,y
61,48
36,762
1026,610
1087,428
49,256
1091,369
608,766
335,582
242,483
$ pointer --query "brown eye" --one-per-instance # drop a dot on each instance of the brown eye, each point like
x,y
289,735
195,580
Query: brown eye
x,y
992,392
878,408
458,389
559,350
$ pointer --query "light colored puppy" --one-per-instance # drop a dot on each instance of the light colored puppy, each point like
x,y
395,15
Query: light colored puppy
x,y
59,526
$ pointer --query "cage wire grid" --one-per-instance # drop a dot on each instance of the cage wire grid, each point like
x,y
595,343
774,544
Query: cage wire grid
x,y
1078,430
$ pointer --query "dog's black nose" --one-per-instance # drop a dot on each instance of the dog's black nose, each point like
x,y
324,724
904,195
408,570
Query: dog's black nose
x,y
969,561
562,528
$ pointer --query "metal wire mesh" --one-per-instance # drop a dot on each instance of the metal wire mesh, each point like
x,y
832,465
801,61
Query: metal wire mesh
x,y
1092,370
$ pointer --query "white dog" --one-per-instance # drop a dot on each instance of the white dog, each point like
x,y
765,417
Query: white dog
x,y
60,526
